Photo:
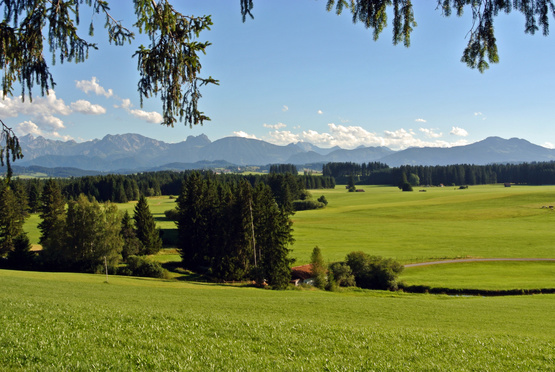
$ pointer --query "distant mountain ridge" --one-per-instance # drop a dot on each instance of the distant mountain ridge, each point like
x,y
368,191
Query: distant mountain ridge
x,y
134,152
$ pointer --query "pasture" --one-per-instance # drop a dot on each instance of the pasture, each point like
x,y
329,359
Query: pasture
x,y
64,321
481,221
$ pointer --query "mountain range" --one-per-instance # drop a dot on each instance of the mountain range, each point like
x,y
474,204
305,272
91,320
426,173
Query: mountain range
x,y
133,152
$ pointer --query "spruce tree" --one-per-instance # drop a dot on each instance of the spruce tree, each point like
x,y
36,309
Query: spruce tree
x,y
11,221
318,268
51,209
273,235
131,244
145,228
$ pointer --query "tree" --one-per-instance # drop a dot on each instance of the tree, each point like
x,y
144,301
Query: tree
x,y
131,244
11,221
51,209
273,235
318,268
21,257
145,228
374,272
88,235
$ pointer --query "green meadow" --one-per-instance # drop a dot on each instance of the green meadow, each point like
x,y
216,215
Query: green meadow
x,y
64,321
481,221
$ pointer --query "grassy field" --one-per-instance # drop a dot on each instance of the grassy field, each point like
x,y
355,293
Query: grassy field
x,y
62,321
483,275
482,221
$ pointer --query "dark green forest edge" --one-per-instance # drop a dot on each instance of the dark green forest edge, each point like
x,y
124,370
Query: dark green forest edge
x,y
230,227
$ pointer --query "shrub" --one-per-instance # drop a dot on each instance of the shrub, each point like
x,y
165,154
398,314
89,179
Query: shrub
x,y
322,199
303,205
172,214
142,266
343,274
406,186
374,272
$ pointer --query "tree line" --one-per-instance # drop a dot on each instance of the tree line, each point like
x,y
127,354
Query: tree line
x,y
537,173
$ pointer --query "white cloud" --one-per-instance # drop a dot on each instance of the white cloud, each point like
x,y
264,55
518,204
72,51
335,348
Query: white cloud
x,y
350,137
274,126
430,133
44,111
93,86
456,131
87,108
420,120
283,137
284,108
549,145
28,127
478,114
320,112
150,117
244,135
125,104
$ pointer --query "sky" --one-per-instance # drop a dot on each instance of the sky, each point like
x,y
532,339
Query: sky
x,y
299,73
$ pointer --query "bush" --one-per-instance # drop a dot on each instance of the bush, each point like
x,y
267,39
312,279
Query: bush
x,y
303,205
172,214
142,266
374,272
343,274
322,199
406,186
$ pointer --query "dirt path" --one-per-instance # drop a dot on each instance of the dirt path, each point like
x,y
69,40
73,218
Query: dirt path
x,y
477,260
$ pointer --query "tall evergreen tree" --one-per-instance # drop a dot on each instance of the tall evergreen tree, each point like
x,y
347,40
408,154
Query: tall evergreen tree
x,y
51,209
11,221
273,235
318,268
145,228
131,244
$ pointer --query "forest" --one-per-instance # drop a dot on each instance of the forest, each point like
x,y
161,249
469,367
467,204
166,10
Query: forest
x,y
374,173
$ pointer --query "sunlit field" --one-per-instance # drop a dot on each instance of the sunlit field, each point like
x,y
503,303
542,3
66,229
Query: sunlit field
x,y
481,221
64,321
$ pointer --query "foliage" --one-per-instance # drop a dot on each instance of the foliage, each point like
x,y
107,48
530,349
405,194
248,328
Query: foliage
x,y
172,214
318,268
322,199
342,274
142,266
406,186
145,229
283,168
374,272
51,209
131,244
11,220
87,236
21,257
233,231
303,205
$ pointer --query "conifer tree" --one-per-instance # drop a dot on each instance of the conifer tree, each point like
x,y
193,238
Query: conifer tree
x,y
51,209
318,268
21,257
145,228
273,235
11,221
131,244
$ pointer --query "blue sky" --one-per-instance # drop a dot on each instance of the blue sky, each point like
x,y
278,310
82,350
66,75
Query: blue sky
x,y
299,73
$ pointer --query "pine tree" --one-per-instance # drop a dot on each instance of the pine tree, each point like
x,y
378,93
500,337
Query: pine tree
x,y
51,209
318,268
145,228
131,244
11,221
273,235
21,257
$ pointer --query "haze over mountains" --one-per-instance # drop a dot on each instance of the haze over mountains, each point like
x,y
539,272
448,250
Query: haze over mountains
x,y
133,152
